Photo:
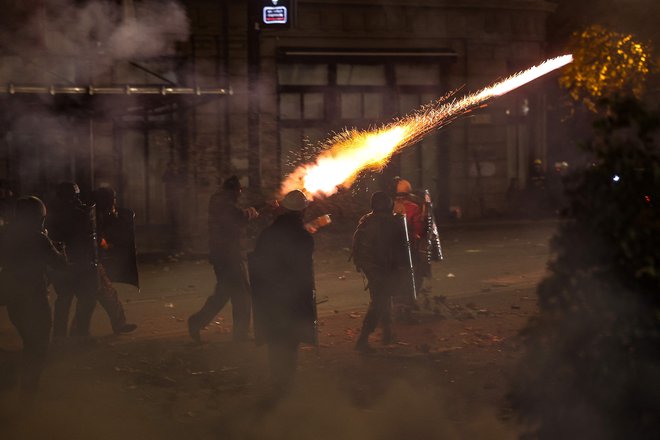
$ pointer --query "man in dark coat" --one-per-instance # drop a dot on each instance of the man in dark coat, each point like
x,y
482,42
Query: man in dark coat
x,y
282,273
25,253
73,223
226,224
380,252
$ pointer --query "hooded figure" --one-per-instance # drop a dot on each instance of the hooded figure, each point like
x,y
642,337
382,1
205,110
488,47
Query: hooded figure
x,y
282,275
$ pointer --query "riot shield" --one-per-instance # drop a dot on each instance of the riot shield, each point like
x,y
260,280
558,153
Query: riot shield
x,y
90,236
432,235
120,258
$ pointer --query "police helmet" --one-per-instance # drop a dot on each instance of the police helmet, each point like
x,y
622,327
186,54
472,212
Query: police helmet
x,y
30,210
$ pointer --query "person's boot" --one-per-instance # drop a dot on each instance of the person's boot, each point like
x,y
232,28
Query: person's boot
x,y
124,328
362,344
240,337
388,336
399,314
408,317
194,330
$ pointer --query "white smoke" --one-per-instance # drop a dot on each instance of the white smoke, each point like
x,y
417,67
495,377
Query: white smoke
x,y
61,42
104,28
58,33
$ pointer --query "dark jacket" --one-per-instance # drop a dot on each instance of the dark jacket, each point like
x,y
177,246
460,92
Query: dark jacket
x,y
282,275
379,243
25,254
74,224
226,223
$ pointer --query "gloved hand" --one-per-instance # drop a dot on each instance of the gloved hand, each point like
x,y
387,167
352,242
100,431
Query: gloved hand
x,y
251,213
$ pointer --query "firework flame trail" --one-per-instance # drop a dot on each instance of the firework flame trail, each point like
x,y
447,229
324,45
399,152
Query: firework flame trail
x,y
350,152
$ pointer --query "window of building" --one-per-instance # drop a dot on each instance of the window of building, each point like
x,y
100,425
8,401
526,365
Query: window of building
x,y
417,74
361,75
290,106
303,74
313,106
351,105
361,106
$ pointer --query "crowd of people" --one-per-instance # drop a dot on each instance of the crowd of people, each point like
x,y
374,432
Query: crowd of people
x,y
392,247
82,248
72,246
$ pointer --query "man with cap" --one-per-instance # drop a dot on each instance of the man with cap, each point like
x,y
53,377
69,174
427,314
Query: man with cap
x,y
227,221
282,275
379,251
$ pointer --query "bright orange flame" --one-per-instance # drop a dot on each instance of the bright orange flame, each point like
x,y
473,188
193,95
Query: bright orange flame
x,y
352,151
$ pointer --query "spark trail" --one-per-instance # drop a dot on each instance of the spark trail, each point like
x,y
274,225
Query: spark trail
x,y
352,151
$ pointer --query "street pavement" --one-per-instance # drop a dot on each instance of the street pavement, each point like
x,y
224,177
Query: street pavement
x,y
480,259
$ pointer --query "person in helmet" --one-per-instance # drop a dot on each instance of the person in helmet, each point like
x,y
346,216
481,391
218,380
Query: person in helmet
x,y
73,223
114,240
380,252
282,274
411,206
227,221
25,254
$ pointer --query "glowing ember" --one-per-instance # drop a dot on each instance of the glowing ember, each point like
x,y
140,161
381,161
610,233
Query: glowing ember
x,y
353,151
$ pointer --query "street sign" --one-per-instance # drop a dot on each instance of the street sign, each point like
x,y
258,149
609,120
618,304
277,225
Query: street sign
x,y
276,14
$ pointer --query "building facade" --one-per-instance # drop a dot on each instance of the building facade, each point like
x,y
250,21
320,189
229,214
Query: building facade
x,y
235,96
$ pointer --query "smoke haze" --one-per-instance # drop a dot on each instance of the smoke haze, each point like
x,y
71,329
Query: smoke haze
x,y
65,31
63,42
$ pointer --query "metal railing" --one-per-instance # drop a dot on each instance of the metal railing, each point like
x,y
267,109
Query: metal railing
x,y
16,89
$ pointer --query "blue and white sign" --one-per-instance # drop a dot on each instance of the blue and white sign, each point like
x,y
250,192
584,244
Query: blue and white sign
x,y
277,14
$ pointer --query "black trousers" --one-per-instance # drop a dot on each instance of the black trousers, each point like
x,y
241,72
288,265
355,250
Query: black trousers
x,y
32,318
282,360
109,300
381,286
81,284
231,284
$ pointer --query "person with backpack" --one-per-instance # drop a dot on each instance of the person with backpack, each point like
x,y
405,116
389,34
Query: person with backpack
x,y
380,252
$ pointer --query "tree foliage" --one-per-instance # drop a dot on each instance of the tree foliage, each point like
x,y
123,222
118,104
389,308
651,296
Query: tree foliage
x,y
591,368
605,64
